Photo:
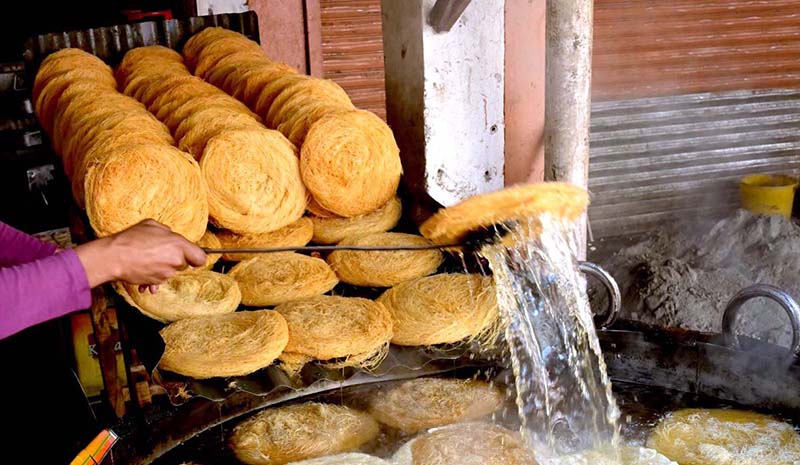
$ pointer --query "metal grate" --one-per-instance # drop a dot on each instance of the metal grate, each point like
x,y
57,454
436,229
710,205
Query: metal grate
x,y
655,160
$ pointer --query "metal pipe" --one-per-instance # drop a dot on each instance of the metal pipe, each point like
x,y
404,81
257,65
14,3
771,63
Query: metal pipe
x,y
789,305
568,69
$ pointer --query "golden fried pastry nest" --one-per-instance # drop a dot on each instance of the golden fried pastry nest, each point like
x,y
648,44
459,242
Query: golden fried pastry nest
x,y
717,436
296,234
201,126
152,81
235,344
97,125
195,45
280,277
183,92
253,181
191,294
423,403
47,100
331,327
384,268
253,82
106,143
233,66
174,113
332,230
270,90
143,181
442,309
453,224
466,444
153,90
145,58
350,163
280,435
215,52
68,59
292,96
63,60
295,125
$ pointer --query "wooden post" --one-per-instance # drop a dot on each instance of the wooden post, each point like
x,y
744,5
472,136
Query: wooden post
x,y
106,353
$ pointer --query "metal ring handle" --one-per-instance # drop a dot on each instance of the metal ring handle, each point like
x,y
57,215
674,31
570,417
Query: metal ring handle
x,y
789,305
611,286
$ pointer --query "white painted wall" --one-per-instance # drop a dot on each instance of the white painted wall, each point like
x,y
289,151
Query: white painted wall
x,y
464,125
445,97
217,7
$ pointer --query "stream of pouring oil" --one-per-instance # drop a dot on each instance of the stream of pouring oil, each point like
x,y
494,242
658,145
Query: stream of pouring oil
x,y
563,393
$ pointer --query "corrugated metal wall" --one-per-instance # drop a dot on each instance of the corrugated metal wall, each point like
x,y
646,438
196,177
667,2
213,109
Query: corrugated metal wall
x,y
690,95
667,47
352,50
662,159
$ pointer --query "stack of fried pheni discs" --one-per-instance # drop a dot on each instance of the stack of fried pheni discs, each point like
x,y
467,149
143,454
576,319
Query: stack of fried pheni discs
x,y
251,172
116,154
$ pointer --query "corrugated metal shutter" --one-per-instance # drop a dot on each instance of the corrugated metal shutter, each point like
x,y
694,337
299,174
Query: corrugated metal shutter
x,y
668,47
662,159
689,96
352,50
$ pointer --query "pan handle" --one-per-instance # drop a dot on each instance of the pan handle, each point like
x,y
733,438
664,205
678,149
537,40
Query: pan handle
x,y
614,297
734,307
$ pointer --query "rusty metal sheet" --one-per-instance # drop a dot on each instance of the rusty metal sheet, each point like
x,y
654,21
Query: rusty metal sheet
x,y
661,159
663,47
110,43
352,50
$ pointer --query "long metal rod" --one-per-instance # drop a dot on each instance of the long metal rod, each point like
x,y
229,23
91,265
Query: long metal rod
x,y
568,70
328,248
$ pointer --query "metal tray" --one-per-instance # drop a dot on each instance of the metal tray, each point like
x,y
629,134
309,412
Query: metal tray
x,y
401,362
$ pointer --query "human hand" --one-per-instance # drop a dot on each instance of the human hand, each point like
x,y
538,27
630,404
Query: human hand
x,y
145,254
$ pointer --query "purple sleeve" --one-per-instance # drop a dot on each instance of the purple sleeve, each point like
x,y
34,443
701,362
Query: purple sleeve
x,y
16,247
42,290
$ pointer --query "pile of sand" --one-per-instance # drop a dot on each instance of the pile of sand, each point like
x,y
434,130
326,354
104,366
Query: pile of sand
x,y
685,277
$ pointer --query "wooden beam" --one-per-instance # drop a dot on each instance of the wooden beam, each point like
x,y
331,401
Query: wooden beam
x,y
106,353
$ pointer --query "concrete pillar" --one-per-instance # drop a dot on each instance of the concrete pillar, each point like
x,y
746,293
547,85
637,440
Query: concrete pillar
x,y
445,94
568,94
568,90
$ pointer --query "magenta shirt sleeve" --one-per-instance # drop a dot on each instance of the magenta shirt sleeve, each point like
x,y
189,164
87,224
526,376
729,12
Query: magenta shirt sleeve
x,y
42,290
16,247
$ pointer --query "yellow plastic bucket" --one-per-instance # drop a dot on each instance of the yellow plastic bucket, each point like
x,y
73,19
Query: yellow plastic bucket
x,y
768,194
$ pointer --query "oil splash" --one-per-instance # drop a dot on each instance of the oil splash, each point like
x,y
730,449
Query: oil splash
x,y
563,393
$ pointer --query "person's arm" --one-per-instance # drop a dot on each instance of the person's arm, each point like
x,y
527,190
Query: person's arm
x,y
146,254
42,290
16,247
